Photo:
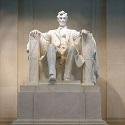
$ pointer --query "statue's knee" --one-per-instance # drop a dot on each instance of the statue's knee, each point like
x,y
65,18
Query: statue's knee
x,y
71,50
51,46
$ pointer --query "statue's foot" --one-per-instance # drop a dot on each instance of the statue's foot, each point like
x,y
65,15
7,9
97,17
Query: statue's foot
x,y
67,79
52,79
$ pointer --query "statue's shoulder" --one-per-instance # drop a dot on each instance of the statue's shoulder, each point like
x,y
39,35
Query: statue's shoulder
x,y
52,31
72,30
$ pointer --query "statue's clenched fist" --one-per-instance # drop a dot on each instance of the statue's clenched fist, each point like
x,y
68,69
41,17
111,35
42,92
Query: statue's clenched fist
x,y
84,31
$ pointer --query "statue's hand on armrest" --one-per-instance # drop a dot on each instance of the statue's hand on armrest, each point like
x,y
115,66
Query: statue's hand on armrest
x,y
84,31
36,34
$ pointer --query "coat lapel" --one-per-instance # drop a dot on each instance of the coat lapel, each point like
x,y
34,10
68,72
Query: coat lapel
x,y
58,34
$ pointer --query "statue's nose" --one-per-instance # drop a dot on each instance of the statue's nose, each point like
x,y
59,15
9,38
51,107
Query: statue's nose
x,y
63,20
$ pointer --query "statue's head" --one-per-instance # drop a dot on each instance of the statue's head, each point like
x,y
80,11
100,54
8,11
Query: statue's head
x,y
62,18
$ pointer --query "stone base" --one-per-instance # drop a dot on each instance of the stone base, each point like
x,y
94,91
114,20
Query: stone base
x,y
59,104
58,122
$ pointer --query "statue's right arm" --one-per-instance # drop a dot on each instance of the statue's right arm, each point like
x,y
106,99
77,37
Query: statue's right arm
x,y
36,34
44,42
42,38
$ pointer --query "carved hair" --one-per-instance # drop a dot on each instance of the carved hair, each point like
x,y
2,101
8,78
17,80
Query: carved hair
x,y
62,13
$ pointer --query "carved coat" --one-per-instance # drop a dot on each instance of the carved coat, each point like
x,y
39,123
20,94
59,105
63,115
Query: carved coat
x,y
86,56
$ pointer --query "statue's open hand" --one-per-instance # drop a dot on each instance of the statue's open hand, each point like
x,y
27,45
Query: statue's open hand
x,y
35,34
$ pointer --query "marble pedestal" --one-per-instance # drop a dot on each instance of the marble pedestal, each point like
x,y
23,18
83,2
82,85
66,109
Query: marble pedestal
x,y
60,104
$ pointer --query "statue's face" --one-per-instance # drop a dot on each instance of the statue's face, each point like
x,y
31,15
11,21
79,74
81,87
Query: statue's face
x,y
62,20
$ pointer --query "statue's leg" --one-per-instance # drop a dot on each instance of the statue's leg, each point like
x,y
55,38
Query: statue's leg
x,y
51,59
71,51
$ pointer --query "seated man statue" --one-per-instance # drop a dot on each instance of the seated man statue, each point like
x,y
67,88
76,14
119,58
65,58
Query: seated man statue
x,y
63,43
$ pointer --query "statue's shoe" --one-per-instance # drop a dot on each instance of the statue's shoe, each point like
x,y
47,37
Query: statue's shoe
x,y
67,79
52,79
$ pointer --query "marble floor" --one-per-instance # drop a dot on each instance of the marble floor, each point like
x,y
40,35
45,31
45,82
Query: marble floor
x,y
116,123
113,123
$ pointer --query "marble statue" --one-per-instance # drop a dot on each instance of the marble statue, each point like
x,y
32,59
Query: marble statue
x,y
64,44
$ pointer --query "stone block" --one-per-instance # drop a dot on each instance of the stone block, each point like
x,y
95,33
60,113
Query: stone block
x,y
59,104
